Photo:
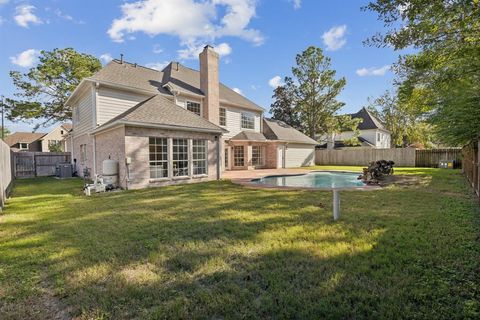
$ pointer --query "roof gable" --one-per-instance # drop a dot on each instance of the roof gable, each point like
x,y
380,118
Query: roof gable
x,y
369,120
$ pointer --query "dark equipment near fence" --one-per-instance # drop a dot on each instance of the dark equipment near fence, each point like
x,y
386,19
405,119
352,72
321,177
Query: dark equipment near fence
x,y
376,170
64,170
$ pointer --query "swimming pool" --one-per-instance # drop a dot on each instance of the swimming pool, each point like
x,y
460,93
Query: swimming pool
x,y
316,179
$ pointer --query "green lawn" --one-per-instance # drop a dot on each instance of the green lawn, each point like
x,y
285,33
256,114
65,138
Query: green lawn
x,y
220,251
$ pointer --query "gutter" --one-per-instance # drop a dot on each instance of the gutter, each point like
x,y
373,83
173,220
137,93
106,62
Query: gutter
x,y
157,126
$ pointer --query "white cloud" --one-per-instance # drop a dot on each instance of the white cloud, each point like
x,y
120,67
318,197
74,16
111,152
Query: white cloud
x,y
275,82
106,58
334,38
237,90
297,4
26,58
3,2
223,49
24,16
157,65
373,71
157,49
254,87
193,21
62,15
192,50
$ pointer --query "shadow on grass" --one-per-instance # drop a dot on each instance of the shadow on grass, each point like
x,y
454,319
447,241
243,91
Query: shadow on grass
x,y
217,250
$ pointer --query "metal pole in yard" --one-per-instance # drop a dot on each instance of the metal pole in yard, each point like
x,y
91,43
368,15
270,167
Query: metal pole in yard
x,y
336,205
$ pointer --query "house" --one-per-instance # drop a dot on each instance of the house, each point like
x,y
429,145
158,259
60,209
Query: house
x,y
25,141
372,133
39,142
177,125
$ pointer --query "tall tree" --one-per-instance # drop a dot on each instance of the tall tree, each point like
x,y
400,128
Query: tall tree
x,y
405,121
5,131
308,99
44,89
445,73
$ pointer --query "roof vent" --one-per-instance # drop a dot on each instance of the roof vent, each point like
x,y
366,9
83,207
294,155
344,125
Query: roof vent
x,y
121,58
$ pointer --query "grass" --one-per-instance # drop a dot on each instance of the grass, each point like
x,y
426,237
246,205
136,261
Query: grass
x,y
220,251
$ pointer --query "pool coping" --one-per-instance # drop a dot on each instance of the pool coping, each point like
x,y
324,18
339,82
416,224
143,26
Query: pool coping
x,y
248,182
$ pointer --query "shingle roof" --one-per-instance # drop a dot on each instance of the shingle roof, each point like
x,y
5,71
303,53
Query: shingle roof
x,y
369,120
27,137
279,130
131,75
249,136
181,78
341,144
159,110
67,126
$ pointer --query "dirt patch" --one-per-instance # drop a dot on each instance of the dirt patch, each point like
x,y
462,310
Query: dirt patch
x,y
400,180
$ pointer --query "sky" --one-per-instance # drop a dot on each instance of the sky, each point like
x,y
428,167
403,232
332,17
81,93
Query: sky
x,y
256,39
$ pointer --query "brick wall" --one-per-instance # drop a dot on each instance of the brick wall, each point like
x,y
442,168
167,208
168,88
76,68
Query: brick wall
x,y
111,145
136,147
77,141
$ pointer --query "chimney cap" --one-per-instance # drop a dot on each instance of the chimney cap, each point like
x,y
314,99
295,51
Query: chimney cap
x,y
208,47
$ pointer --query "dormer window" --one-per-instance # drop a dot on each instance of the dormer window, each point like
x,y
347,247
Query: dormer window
x,y
194,107
223,117
23,146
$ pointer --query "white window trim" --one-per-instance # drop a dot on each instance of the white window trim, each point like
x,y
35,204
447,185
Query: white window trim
x,y
20,145
224,125
241,120
193,101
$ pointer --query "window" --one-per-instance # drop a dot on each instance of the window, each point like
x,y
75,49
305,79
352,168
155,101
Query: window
x,y
61,132
199,154
226,158
53,143
223,117
193,107
238,156
83,153
23,146
248,121
158,149
180,157
378,136
76,115
257,155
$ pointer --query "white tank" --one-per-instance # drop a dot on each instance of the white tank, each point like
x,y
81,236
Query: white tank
x,y
110,171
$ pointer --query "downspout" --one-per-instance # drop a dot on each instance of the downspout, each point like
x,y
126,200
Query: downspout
x,y
94,156
218,157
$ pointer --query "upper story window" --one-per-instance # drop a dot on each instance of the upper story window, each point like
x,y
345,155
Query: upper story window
x,y
223,117
248,121
194,107
23,146
378,136
76,115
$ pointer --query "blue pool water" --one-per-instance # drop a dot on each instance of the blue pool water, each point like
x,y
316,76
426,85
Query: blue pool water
x,y
321,180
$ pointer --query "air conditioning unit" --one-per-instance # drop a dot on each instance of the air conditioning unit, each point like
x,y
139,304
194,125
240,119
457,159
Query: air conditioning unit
x,y
64,170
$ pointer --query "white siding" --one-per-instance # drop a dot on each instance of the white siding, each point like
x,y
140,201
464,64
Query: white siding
x,y
111,103
83,114
182,102
299,155
234,117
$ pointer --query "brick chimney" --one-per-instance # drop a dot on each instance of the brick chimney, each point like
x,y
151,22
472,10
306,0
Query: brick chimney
x,y
209,84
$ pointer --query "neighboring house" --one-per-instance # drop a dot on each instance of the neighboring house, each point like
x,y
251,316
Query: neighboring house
x,y
372,133
56,137
25,141
40,142
175,125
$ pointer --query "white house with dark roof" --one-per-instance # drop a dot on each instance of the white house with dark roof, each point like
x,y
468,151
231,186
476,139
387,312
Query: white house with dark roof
x,y
176,125
372,132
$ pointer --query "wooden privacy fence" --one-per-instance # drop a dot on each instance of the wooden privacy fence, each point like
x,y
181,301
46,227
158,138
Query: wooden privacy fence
x,y
471,165
37,164
403,157
431,157
362,156
6,176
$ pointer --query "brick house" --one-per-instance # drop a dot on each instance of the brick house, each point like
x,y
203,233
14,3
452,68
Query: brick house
x,y
177,125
